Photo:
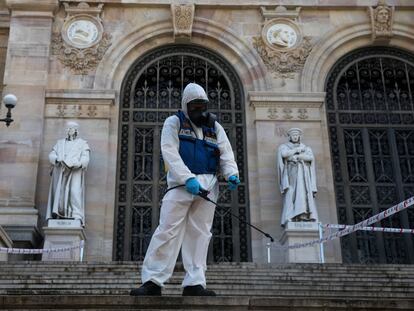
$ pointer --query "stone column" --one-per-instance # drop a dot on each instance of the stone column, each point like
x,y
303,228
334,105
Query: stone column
x,y
26,73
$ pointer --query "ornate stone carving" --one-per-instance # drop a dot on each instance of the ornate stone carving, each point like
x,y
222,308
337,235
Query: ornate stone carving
x,y
281,45
303,113
84,104
272,113
82,42
283,64
382,18
287,113
76,111
183,17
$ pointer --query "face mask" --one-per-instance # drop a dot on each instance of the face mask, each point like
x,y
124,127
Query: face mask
x,y
197,112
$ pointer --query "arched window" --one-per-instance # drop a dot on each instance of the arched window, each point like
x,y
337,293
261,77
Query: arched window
x,y
151,92
370,113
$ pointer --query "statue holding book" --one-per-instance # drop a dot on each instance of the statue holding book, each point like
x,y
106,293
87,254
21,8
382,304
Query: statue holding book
x,y
69,159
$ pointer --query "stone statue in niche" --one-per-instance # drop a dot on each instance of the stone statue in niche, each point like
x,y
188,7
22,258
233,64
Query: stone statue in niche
x,y
69,159
297,179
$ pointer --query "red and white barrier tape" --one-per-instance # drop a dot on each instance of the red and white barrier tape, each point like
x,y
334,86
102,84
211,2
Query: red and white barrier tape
x,y
352,228
40,251
376,229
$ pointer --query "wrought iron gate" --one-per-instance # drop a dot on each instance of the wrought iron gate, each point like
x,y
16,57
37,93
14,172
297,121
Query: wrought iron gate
x,y
150,93
370,111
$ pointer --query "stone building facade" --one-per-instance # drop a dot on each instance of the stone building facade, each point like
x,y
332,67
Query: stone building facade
x,y
117,67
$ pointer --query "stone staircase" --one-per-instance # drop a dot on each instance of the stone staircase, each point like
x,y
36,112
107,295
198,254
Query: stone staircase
x,y
243,286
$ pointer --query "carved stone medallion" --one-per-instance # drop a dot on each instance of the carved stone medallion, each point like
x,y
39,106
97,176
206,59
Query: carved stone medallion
x,y
81,42
281,34
282,47
82,31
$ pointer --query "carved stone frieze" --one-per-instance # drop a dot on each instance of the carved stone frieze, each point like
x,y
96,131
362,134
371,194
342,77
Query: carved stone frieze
x,y
81,42
183,17
79,105
57,109
270,106
382,18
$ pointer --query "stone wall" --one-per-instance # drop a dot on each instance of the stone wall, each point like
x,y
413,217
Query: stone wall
x,y
50,92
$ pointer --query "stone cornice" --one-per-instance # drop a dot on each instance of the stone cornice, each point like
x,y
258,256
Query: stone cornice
x,y
274,99
81,94
257,3
33,5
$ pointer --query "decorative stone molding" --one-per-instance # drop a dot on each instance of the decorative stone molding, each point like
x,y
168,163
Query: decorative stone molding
x,y
382,19
287,106
85,104
30,5
280,11
283,64
183,18
82,41
4,19
282,46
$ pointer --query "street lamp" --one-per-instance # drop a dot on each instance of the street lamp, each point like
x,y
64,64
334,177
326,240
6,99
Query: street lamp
x,y
10,102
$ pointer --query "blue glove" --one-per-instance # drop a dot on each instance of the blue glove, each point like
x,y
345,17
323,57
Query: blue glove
x,y
192,185
233,182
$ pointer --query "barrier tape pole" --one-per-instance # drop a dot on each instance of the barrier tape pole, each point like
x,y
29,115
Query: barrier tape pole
x,y
321,248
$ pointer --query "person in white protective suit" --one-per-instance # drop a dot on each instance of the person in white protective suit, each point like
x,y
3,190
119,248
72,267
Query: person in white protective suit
x,y
194,147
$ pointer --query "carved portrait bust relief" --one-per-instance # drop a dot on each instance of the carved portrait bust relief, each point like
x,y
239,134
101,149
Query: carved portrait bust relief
x,y
82,31
281,34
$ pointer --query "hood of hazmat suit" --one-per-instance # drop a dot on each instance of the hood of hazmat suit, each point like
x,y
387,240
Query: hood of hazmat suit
x,y
191,92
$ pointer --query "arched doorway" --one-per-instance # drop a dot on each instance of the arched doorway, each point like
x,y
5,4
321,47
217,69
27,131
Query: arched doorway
x,y
151,91
370,112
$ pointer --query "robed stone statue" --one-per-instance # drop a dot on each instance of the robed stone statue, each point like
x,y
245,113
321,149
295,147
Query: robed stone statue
x,y
297,179
69,159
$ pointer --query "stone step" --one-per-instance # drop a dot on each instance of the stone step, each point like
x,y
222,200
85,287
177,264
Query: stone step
x,y
236,289
52,302
10,279
226,266
384,281
251,292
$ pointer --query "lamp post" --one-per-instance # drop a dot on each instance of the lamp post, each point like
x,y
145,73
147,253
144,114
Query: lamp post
x,y
10,102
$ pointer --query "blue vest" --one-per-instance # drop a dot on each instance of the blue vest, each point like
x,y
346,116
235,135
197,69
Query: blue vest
x,y
201,156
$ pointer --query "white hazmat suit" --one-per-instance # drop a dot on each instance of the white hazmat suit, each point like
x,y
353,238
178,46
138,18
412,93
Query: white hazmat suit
x,y
185,219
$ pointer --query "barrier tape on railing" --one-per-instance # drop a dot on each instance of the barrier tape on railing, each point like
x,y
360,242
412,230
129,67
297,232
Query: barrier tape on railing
x,y
348,229
376,229
41,250
352,228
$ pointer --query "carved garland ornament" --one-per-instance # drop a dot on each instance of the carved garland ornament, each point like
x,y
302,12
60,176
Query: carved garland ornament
x,y
282,47
82,42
